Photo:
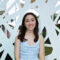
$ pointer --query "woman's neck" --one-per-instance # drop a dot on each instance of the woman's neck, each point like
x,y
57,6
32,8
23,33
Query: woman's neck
x,y
29,35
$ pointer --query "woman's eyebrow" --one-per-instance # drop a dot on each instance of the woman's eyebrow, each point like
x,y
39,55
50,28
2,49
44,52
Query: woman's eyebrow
x,y
27,19
32,18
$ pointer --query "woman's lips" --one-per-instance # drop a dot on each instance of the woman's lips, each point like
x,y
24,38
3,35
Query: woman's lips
x,y
30,25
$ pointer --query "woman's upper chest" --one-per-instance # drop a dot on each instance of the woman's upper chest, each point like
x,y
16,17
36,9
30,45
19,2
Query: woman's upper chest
x,y
30,39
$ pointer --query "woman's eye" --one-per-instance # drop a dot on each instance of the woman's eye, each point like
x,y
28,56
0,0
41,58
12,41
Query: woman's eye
x,y
32,20
27,21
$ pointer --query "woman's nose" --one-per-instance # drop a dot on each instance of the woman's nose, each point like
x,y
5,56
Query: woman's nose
x,y
30,22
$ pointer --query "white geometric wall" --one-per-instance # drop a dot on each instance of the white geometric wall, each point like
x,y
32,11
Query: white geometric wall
x,y
11,14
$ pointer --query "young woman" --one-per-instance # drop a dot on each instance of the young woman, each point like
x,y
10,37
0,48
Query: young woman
x,y
29,43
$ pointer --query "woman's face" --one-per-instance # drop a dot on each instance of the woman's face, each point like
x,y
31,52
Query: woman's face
x,y
30,22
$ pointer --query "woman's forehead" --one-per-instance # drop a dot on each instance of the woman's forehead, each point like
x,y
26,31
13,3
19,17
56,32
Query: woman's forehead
x,y
30,16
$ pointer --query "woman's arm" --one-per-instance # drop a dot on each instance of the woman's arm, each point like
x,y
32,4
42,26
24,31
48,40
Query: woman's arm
x,y
42,50
17,49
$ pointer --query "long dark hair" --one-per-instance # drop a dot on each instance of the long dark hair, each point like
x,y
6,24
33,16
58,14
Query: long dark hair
x,y
22,28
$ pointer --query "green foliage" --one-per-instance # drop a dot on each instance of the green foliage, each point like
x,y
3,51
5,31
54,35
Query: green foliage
x,y
48,50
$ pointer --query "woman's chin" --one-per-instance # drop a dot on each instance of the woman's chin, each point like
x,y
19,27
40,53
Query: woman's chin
x,y
31,29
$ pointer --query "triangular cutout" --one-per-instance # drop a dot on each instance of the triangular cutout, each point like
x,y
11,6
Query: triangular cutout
x,y
47,41
0,44
57,32
44,32
8,57
1,53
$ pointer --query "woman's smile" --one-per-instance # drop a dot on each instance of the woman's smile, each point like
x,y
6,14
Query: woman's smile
x,y
30,25
30,22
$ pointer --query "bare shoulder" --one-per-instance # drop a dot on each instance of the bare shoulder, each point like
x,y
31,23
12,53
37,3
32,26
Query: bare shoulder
x,y
17,40
41,38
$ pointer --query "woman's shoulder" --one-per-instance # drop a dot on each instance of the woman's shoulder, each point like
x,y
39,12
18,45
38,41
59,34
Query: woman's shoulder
x,y
41,37
17,40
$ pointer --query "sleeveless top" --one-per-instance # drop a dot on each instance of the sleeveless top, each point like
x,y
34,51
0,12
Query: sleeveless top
x,y
28,52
